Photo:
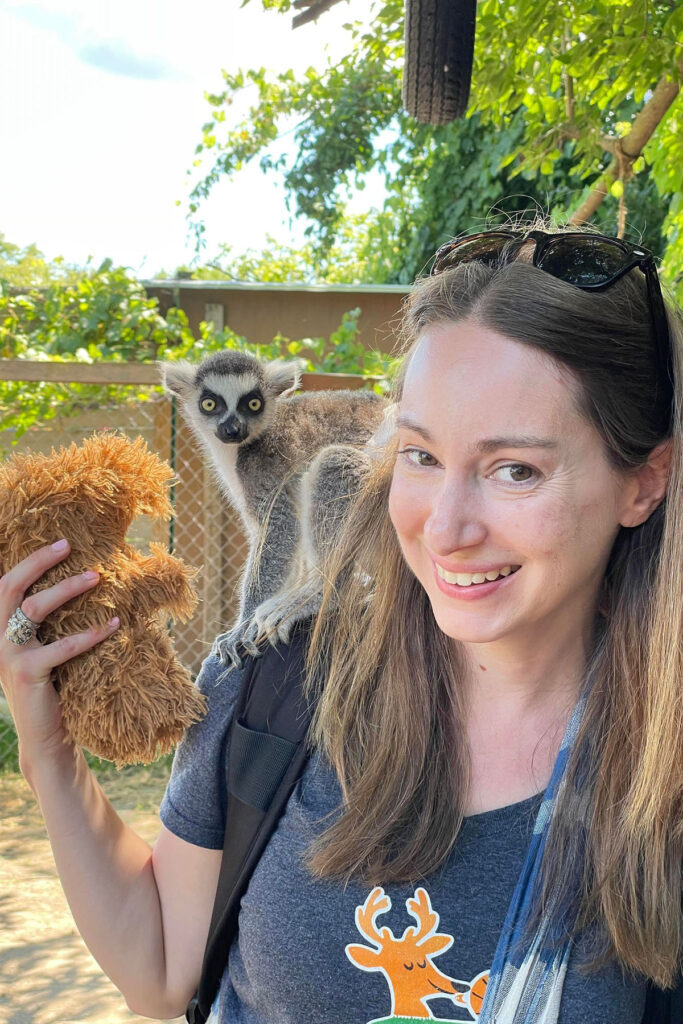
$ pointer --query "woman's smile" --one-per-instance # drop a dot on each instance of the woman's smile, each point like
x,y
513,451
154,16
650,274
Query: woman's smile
x,y
464,578
472,586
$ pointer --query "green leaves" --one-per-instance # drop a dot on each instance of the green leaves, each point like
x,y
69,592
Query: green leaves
x,y
104,311
666,156
364,248
581,71
555,86
358,96
104,314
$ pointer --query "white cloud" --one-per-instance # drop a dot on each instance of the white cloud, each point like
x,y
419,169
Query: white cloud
x,y
115,57
89,40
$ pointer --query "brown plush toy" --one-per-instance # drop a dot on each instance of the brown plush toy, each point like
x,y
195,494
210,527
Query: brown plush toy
x,y
128,699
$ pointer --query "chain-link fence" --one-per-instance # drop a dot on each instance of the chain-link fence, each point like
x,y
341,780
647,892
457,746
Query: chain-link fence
x,y
204,531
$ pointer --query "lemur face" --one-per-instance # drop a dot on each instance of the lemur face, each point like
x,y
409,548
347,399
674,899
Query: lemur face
x,y
230,395
232,407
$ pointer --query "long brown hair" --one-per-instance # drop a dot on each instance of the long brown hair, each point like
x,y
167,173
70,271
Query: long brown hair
x,y
389,717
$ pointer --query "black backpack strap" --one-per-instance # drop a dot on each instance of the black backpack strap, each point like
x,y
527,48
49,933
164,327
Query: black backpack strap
x,y
657,1006
664,1006
268,752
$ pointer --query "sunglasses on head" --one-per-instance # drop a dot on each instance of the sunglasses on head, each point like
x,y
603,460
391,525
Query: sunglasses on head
x,y
588,261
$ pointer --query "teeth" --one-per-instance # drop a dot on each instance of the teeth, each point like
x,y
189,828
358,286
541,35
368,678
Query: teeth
x,y
464,579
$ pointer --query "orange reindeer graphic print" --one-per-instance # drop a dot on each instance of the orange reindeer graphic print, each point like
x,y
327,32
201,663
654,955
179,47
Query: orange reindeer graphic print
x,y
407,963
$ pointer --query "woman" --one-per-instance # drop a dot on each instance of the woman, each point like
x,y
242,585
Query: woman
x,y
506,626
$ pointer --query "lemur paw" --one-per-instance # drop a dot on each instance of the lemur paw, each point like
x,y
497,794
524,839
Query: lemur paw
x,y
241,639
230,646
274,619
271,622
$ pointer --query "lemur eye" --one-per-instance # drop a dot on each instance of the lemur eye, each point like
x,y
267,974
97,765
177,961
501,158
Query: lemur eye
x,y
255,404
207,404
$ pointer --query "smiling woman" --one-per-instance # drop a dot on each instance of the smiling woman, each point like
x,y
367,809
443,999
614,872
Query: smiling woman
x,y
524,559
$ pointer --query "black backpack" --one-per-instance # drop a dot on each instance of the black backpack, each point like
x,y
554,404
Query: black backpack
x,y
268,753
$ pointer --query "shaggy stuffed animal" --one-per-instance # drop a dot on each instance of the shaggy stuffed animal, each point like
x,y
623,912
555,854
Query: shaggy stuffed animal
x,y
128,699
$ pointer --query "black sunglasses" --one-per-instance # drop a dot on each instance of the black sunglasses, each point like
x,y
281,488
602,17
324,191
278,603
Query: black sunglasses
x,y
588,261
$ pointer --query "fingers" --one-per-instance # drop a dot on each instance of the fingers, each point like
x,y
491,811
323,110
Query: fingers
x,y
38,661
38,606
17,581
26,669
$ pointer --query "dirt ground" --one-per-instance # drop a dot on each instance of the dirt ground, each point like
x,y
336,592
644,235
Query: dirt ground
x,y
47,975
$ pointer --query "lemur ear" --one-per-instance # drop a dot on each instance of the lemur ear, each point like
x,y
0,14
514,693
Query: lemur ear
x,y
178,378
385,432
283,377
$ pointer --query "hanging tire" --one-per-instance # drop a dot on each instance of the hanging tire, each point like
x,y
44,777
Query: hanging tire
x,y
439,45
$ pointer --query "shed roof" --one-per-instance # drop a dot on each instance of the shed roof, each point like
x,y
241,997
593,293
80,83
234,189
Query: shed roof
x,y
183,284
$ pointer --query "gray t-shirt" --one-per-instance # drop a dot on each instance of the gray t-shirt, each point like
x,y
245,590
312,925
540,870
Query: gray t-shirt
x,y
312,951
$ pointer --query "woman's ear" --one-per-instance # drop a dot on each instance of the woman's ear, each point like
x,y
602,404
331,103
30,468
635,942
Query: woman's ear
x,y
648,485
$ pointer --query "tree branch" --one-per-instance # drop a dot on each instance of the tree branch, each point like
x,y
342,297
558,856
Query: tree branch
x,y
567,80
315,8
568,96
609,143
628,150
647,120
593,200
625,174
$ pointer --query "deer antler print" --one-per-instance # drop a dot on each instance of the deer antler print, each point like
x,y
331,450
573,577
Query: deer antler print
x,y
427,919
406,963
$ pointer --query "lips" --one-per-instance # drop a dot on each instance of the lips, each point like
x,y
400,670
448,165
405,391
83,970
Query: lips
x,y
474,577
473,591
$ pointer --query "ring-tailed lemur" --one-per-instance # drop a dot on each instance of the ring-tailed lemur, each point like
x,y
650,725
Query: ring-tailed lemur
x,y
271,451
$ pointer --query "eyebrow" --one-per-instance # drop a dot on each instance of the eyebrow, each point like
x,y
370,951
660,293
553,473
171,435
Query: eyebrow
x,y
487,444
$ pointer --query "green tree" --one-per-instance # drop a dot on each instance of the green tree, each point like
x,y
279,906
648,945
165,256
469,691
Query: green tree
x,y
364,247
575,106
26,267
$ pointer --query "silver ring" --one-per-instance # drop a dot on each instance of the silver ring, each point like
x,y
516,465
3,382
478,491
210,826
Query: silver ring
x,y
21,629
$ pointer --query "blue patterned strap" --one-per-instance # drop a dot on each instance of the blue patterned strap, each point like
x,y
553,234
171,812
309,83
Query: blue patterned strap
x,y
525,985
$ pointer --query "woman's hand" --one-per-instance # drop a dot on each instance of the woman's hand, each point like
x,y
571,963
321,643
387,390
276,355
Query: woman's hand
x,y
25,670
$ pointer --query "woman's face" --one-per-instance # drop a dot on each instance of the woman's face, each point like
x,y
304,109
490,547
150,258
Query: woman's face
x,y
497,470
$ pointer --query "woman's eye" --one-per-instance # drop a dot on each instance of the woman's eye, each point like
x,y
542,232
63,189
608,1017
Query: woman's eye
x,y
255,404
207,404
515,468
418,457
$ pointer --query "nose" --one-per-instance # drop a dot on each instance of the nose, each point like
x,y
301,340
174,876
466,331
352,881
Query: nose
x,y
231,430
456,519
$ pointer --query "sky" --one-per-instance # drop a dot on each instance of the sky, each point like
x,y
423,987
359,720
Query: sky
x,y
101,108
